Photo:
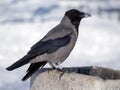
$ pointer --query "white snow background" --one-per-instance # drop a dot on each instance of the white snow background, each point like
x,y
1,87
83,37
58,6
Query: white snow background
x,y
24,22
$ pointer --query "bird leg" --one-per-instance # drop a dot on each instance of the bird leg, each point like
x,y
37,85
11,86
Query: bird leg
x,y
58,67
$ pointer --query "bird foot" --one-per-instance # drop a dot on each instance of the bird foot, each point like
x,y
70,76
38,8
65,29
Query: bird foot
x,y
63,71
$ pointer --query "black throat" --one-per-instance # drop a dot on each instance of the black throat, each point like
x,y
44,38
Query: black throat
x,y
76,24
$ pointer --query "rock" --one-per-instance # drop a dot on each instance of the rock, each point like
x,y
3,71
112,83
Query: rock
x,y
84,78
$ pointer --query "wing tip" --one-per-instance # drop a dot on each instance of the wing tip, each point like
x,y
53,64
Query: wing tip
x,y
24,78
9,68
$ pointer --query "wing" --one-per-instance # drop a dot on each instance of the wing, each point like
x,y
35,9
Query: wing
x,y
57,32
50,45
42,47
32,68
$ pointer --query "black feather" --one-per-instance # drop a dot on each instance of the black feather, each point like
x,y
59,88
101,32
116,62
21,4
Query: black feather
x,y
21,62
40,48
50,46
33,67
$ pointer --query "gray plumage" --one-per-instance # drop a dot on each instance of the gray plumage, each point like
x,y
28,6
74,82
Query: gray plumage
x,y
55,47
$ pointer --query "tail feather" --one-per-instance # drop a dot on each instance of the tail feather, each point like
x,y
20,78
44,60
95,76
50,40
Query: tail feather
x,y
21,62
33,67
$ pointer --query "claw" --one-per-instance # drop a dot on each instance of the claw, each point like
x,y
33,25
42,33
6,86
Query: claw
x,y
61,74
63,71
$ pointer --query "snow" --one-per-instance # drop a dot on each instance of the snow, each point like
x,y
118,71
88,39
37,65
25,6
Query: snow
x,y
97,44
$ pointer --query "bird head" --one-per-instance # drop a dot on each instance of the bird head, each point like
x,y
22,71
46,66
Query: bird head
x,y
75,16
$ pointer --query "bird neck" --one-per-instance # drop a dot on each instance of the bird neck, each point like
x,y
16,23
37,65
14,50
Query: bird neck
x,y
76,24
67,22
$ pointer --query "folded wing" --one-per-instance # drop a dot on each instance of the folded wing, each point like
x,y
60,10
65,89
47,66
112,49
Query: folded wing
x,y
40,48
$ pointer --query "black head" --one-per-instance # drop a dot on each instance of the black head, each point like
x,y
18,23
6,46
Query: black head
x,y
75,16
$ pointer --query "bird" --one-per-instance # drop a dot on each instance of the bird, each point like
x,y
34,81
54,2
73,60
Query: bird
x,y
55,46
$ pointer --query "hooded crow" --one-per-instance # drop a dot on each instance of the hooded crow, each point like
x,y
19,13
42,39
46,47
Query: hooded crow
x,y
55,46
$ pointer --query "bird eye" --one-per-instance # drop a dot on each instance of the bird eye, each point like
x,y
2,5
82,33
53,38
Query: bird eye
x,y
76,15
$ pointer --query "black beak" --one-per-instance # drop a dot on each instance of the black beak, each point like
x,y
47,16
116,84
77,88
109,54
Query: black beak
x,y
87,15
84,15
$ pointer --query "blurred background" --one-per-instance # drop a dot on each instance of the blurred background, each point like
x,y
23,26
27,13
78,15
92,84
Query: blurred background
x,y
24,22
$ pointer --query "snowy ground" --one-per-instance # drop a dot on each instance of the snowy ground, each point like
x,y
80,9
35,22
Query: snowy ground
x,y
98,42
